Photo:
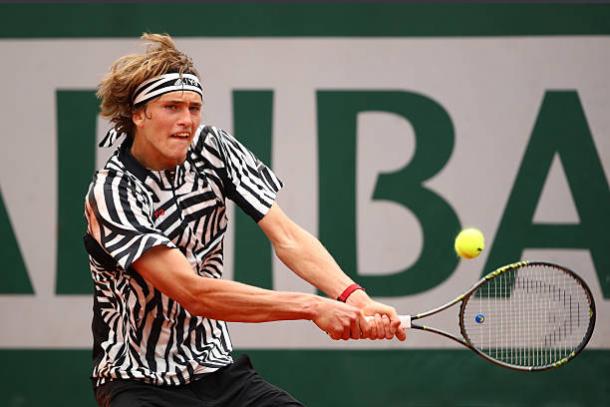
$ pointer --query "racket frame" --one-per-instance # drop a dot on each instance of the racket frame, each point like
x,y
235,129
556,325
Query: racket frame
x,y
407,320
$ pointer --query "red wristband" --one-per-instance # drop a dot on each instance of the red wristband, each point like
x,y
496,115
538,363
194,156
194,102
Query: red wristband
x,y
348,291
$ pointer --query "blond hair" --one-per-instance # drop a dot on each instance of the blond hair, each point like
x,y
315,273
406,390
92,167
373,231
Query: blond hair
x,y
116,89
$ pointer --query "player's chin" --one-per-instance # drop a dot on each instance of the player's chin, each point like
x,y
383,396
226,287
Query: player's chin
x,y
177,155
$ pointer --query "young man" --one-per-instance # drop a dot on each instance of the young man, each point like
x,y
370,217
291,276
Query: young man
x,y
156,222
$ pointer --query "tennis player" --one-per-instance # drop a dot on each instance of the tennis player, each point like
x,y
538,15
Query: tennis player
x,y
156,221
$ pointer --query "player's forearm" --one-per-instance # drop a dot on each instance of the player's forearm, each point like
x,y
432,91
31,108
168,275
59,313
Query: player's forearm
x,y
307,257
304,254
170,272
235,302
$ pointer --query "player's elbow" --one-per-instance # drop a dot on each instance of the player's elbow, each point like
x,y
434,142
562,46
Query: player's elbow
x,y
290,243
285,242
193,301
202,302
194,308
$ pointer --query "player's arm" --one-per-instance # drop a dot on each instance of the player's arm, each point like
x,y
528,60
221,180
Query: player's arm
x,y
170,272
307,257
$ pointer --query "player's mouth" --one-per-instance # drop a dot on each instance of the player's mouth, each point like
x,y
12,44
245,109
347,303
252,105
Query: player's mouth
x,y
181,136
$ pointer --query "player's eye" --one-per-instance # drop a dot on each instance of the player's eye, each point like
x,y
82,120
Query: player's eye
x,y
195,109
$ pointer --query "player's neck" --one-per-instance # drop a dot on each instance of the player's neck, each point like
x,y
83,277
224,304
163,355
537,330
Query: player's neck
x,y
148,156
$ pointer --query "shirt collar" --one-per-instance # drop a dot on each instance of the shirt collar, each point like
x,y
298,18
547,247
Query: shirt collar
x,y
140,171
131,164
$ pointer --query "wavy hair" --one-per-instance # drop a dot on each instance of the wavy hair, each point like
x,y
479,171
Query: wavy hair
x,y
116,88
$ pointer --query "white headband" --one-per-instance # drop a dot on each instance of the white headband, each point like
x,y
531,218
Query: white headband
x,y
170,82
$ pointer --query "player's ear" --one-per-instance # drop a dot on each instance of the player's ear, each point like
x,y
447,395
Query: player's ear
x,y
138,116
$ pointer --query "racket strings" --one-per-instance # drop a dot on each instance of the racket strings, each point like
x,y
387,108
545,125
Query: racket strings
x,y
535,315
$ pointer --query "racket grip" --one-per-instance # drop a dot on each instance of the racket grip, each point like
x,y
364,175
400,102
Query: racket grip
x,y
405,320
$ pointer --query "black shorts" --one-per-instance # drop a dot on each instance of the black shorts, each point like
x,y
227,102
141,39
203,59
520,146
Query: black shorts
x,y
236,385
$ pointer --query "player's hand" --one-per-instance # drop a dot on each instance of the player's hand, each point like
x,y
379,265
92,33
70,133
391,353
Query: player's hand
x,y
341,321
385,323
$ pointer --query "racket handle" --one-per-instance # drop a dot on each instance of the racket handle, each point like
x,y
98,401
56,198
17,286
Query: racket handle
x,y
405,320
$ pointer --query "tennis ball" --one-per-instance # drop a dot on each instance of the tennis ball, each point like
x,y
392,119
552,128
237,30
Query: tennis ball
x,y
469,243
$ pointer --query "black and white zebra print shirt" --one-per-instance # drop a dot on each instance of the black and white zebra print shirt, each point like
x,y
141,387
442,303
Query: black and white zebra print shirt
x,y
140,333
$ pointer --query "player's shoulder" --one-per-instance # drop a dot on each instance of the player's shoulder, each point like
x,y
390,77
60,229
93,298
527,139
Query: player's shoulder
x,y
113,178
210,135
114,168
110,185
211,140
104,182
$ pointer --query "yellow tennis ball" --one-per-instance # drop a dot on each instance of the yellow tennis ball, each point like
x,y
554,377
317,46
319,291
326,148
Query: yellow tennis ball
x,y
469,243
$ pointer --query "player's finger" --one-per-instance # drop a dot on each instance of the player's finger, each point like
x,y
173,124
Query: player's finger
x,y
355,332
372,334
397,329
366,326
387,327
401,332
369,331
335,331
380,330
346,332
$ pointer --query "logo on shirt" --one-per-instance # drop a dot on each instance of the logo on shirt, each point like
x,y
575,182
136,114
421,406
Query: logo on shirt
x,y
158,213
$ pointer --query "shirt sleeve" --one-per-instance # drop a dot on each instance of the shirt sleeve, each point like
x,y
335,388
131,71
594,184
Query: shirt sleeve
x,y
247,181
120,218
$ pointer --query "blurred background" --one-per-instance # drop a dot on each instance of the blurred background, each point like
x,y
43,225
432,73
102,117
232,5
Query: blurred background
x,y
392,126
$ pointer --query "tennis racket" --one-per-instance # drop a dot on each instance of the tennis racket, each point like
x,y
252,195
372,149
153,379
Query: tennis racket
x,y
527,316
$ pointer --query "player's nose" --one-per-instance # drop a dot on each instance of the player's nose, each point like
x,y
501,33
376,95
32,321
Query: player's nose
x,y
185,118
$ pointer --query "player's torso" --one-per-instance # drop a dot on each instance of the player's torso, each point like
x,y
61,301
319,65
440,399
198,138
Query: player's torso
x,y
188,206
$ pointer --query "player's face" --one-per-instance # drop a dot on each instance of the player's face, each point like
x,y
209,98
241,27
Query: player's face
x,y
165,128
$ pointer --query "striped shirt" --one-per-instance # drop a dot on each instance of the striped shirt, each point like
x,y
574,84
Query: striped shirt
x,y
140,333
